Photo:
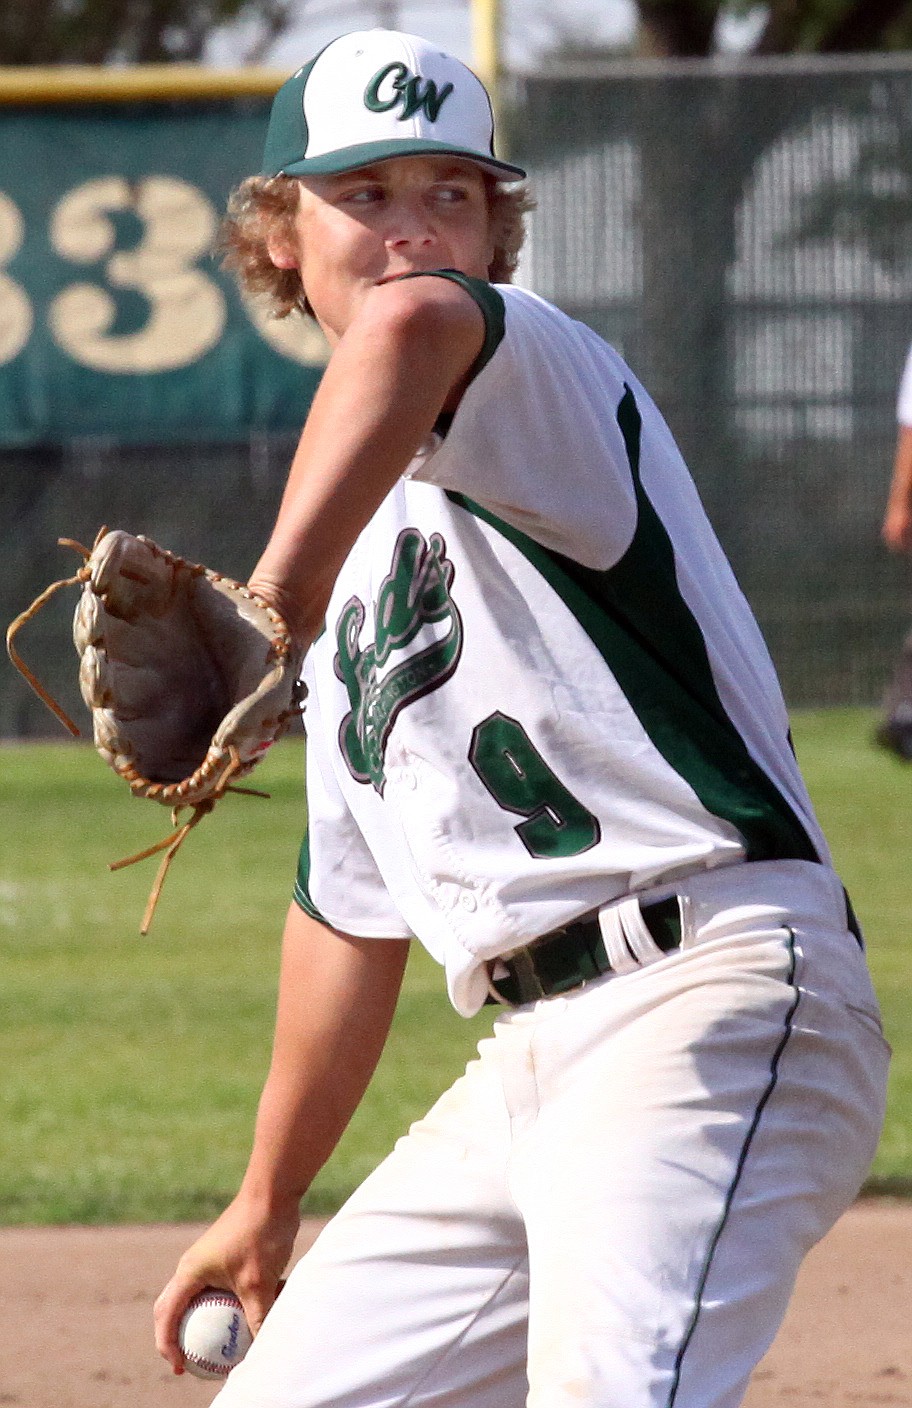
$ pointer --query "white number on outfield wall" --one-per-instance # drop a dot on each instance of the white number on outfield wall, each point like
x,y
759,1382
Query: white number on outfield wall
x,y
296,337
187,308
15,308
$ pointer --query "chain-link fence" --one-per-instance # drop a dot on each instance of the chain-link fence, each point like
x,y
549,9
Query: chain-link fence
x,y
212,503
743,234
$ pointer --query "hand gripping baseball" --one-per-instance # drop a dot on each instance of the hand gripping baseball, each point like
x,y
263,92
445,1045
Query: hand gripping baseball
x,y
246,1251
189,676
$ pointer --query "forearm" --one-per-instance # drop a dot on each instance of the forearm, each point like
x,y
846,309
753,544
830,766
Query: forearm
x,y
336,1000
337,997
384,387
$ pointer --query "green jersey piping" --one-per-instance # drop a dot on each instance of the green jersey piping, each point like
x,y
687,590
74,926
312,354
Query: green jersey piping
x,y
301,891
490,303
637,619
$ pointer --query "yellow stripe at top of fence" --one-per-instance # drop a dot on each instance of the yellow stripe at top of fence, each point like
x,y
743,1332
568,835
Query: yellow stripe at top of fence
x,y
78,83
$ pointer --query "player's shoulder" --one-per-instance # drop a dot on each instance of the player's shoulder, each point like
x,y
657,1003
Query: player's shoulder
x,y
449,290
527,307
540,339
540,331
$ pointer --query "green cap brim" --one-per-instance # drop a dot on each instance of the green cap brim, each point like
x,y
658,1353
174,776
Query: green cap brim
x,y
367,153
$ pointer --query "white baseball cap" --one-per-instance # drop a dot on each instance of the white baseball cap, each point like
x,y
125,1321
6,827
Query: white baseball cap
x,y
376,94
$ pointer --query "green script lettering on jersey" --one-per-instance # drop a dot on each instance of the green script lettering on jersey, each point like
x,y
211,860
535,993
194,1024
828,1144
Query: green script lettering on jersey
x,y
414,594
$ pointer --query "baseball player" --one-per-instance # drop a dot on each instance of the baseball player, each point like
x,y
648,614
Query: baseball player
x,y
545,739
895,730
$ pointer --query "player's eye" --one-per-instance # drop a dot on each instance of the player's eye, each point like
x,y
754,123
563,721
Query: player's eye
x,y
451,194
364,194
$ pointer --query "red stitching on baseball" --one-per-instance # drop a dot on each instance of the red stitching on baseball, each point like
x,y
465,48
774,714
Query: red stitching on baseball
x,y
222,1370
206,1298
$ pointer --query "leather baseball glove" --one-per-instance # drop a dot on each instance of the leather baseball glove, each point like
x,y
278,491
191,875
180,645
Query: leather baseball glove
x,y
189,677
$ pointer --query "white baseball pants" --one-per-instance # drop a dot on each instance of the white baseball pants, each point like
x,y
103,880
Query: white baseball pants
x,y
608,1210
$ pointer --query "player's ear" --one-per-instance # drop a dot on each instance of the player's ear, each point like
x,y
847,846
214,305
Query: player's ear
x,y
494,222
282,253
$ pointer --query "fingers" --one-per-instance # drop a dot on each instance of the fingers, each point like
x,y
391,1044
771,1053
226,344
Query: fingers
x,y
244,1251
255,1278
167,1315
257,1301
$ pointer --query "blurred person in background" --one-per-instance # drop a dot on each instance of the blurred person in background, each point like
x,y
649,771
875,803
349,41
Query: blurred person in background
x,y
895,730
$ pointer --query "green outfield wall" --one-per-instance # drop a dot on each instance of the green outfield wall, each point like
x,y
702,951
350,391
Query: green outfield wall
x,y
115,318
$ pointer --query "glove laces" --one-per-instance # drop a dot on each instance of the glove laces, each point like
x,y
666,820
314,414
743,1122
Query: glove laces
x,y
172,843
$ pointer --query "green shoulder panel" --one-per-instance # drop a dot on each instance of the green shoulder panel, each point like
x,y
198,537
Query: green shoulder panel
x,y
637,619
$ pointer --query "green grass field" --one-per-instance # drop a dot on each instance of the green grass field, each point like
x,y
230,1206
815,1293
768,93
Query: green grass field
x,y
132,1065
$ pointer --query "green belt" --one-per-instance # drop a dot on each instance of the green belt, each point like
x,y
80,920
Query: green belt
x,y
565,959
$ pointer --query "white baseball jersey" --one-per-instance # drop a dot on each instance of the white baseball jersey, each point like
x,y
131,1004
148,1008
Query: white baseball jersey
x,y
540,687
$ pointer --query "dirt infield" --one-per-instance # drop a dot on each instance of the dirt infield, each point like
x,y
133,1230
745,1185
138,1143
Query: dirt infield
x,y
75,1305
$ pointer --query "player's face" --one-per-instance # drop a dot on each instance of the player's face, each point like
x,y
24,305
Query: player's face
x,y
362,228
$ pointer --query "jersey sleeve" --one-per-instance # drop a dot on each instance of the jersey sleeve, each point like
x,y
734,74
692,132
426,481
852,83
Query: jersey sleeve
x,y
337,880
536,438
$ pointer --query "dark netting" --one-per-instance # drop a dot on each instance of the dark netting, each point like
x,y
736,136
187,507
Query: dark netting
x,y
743,235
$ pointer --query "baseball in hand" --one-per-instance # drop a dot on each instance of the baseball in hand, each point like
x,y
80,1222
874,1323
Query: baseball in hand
x,y
214,1335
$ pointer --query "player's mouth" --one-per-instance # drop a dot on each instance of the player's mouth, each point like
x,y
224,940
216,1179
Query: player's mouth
x,y
406,273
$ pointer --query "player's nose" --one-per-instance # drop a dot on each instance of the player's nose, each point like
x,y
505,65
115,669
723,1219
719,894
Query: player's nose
x,y
409,223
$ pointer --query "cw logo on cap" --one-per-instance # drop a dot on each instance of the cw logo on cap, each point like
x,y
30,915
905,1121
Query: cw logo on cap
x,y
376,94
407,90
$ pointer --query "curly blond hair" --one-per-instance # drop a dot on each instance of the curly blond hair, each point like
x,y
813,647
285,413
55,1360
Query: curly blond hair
x,y
264,206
